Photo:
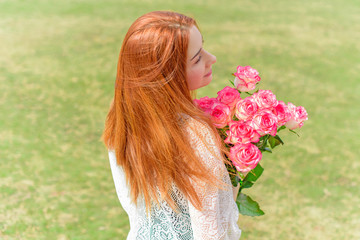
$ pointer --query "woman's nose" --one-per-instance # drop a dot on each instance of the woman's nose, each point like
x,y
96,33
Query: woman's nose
x,y
211,58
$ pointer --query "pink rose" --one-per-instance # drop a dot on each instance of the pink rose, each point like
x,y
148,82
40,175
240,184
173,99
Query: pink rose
x,y
245,157
229,96
265,122
298,116
265,99
241,132
246,108
246,78
282,113
205,103
220,114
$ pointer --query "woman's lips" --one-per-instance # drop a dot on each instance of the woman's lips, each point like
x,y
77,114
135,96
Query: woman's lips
x,y
208,74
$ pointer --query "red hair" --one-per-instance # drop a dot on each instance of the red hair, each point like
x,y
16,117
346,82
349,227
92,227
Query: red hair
x,y
150,93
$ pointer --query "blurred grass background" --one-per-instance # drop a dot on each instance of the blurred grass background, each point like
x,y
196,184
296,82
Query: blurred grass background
x,y
57,70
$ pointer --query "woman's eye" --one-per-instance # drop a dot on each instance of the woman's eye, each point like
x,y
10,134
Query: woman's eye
x,y
198,60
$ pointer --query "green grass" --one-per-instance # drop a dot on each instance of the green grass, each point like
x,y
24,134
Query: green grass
x,y
57,70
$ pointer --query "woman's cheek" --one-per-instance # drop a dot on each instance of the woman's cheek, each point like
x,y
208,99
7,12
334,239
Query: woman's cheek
x,y
194,78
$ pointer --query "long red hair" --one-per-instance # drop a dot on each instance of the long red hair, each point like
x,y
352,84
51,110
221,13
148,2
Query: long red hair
x,y
150,93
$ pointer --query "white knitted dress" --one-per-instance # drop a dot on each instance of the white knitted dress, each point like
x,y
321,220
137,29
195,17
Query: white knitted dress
x,y
217,220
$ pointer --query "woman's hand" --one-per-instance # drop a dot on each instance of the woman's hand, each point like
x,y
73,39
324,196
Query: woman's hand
x,y
236,189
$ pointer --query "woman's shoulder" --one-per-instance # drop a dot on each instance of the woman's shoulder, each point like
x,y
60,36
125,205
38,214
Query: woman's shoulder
x,y
198,131
189,123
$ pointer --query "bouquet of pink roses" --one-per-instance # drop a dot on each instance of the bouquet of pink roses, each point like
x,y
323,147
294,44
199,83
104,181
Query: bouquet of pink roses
x,y
249,126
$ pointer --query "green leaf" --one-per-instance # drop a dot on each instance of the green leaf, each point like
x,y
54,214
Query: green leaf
x,y
272,141
281,128
275,141
232,83
278,138
247,184
254,174
247,206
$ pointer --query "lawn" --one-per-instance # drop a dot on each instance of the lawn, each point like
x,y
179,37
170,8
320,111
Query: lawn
x,y
57,71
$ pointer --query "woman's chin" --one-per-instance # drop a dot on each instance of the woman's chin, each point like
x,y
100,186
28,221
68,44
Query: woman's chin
x,y
207,80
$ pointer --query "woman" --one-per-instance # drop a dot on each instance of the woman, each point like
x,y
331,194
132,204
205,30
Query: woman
x,y
165,155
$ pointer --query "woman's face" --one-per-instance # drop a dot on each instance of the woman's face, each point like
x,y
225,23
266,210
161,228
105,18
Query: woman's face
x,y
199,61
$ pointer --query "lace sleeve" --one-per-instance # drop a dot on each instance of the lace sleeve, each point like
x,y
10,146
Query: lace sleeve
x,y
218,219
